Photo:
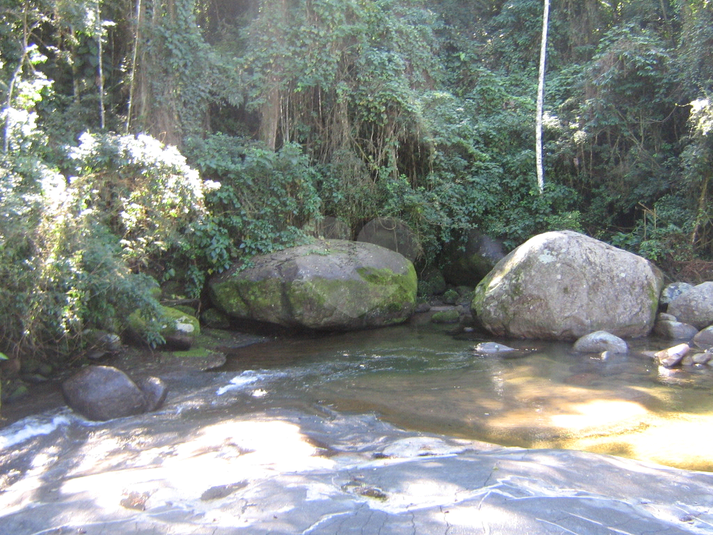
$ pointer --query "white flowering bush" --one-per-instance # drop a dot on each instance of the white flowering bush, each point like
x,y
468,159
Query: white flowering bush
x,y
84,249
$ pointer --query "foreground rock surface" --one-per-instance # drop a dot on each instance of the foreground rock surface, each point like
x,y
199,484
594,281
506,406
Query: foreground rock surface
x,y
293,472
563,285
327,285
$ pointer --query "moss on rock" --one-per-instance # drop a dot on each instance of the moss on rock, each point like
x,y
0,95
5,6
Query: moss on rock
x,y
325,285
171,324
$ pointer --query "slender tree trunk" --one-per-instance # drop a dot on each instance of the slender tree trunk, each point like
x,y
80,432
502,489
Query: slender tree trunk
x,y
270,115
134,62
270,110
100,64
541,99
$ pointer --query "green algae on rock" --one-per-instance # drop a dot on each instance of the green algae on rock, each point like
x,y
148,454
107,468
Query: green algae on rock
x,y
326,285
177,328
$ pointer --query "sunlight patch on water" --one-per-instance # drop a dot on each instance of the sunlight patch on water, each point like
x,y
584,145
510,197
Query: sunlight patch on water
x,y
597,413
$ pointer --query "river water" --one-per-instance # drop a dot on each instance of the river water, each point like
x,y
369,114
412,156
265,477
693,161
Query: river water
x,y
394,431
420,377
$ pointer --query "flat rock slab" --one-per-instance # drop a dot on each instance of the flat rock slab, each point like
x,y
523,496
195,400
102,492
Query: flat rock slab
x,y
291,472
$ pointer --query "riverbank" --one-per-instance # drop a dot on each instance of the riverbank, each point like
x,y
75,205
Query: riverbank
x,y
210,353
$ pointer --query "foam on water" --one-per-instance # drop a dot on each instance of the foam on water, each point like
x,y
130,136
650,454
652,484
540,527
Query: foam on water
x,y
246,378
33,426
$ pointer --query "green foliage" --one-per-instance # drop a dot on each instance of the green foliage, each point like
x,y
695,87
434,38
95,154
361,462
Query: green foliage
x,y
261,199
88,245
662,233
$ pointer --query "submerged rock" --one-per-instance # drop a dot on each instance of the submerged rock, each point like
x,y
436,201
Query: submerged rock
x,y
327,285
490,348
563,285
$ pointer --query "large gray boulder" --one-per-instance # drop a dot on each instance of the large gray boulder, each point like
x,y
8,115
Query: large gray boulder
x,y
327,285
563,285
695,306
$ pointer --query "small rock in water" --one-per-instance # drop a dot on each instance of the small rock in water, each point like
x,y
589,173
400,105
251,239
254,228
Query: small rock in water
x,y
702,358
600,341
155,391
668,358
490,348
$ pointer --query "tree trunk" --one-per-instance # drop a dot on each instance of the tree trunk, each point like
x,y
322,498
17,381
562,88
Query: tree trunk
x,y
270,109
541,99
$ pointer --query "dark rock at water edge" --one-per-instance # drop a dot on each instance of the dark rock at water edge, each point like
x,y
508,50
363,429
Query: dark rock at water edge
x,y
155,391
393,234
467,263
104,393
674,330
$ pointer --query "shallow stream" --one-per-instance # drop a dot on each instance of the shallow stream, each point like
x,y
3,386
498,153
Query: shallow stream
x,y
392,431
545,396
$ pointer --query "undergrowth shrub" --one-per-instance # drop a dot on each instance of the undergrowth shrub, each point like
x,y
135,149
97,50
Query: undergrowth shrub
x,y
83,251
259,202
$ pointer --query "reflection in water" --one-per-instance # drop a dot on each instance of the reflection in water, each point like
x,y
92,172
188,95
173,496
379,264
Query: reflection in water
x,y
424,379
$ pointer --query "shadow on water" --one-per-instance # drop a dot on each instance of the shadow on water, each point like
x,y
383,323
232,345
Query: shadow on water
x,y
424,379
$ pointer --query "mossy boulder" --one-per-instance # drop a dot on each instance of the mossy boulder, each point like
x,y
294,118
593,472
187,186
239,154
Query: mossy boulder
x,y
564,285
177,328
326,285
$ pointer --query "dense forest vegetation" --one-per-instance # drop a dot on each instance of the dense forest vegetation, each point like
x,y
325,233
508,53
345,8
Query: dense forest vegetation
x,y
152,142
